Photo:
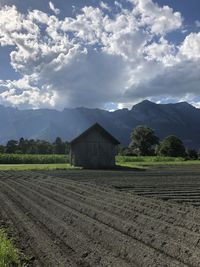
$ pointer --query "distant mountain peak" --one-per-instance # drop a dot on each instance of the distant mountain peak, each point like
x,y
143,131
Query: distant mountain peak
x,y
147,102
180,119
181,105
184,103
144,104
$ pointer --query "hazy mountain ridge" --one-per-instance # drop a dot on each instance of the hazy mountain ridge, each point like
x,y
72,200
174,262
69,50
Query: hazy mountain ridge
x,y
181,119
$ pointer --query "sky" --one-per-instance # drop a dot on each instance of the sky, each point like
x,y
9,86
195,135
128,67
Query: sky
x,y
99,54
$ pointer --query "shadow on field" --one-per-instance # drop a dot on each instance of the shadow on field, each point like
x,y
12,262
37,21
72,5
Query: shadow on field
x,y
117,168
126,168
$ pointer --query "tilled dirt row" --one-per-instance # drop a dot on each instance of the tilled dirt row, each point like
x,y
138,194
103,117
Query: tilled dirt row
x,y
178,184
63,222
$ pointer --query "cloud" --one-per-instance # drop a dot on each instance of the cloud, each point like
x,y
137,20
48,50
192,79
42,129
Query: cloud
x,y
96,58
24,94
190,48
160,20
197,23
180,81
161,51
104,5
52,7
118,4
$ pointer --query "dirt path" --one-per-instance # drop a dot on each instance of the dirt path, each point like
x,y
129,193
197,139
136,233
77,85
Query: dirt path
x,y
65,222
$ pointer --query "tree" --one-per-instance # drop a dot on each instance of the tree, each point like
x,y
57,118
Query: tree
x,y
11,146
192,153
31,146
59,146
23,146
2,149
43,147
143,140
171,146
67,147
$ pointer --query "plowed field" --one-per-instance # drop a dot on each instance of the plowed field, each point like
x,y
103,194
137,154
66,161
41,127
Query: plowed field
x,y
176,183
84,218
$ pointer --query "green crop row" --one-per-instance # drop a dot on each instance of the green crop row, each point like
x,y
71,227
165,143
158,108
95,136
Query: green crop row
x,y
54,158
32,159
148,159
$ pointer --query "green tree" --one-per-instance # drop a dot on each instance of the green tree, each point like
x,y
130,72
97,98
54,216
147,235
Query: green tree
x,y
67,147
59,146
171,146
2,149
143,140
31,146
192,153
43,147
23,146
12,146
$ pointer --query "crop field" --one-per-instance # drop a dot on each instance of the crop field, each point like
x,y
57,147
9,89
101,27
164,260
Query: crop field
x,y
33,158
176,183
104,218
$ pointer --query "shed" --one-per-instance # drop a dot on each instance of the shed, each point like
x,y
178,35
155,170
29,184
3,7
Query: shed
x,y
94,148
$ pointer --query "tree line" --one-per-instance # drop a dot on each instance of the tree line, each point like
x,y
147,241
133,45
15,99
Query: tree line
x,y
144,142
31,146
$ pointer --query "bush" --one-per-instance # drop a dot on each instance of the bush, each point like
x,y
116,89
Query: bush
x,y
126,151
124,159
192,154
9,255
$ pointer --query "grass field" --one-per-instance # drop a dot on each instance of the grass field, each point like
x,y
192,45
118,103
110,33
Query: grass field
x,y
23,167
9,255
48,162
129,161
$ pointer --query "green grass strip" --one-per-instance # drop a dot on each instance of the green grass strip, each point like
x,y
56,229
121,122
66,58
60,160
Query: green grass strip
x,y
26,167
9,255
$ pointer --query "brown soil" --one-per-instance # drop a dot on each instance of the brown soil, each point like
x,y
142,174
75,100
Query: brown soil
x,y
79,218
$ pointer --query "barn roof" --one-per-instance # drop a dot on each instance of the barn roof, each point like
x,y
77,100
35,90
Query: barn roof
x,y
99,128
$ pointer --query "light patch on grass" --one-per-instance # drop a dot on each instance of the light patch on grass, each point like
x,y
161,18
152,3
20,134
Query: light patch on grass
x,y
9,255
25,167
135,162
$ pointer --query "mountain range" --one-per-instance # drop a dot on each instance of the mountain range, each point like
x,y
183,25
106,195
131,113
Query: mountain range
x,y
180,119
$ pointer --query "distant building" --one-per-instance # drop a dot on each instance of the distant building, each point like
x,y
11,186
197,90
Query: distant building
x,y
94,148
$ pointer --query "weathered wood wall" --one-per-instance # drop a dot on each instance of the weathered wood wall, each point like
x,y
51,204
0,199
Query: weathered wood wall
x,y
93,151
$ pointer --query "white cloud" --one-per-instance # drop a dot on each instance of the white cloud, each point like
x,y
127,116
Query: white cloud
x,y
104,5
22,93
197,23
161,51
159,19
118,4
196,104
52,7
190,48
94,59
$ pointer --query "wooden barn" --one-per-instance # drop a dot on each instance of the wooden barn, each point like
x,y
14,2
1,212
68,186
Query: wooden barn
x,y
94,148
